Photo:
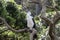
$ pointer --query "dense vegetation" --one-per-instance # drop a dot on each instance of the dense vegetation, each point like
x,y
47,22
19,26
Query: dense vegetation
x,y
15,16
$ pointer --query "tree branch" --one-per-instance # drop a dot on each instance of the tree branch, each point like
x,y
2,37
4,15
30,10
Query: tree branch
x,y
34,32
51,7
21,30
52,31
46,19
10,28
56,18
34,2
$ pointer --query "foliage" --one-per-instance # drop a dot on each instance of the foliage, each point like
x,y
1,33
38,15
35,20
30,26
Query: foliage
x,y
15,17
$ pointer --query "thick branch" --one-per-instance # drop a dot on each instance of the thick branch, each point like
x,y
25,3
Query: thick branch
x,y
21,30
56,18
10,28
52,31
51,7
34,2
46,19
34,32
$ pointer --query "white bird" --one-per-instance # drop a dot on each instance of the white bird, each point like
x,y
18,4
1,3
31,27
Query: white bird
x,y
30,22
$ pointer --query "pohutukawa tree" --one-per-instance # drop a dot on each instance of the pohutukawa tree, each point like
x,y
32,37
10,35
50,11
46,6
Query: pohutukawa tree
x,y
13,17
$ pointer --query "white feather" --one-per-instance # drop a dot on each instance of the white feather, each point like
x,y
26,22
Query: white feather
x,y
30,22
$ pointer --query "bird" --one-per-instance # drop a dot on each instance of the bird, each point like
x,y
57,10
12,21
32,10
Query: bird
x,y
30,21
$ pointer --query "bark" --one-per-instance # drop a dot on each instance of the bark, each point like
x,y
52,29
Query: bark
x,y
10,28
18,31
52,23
32,34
